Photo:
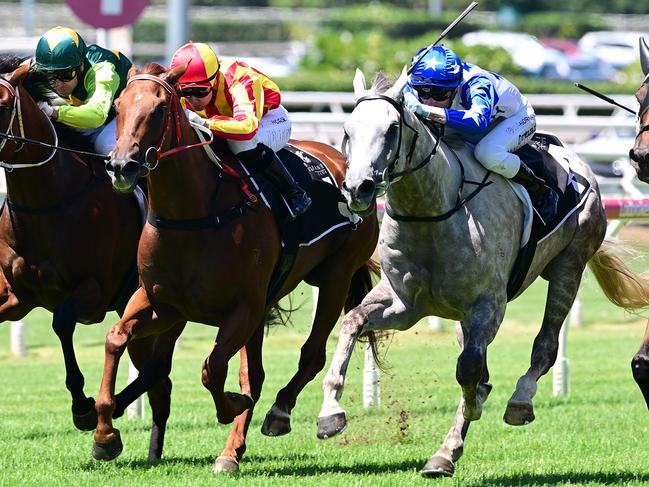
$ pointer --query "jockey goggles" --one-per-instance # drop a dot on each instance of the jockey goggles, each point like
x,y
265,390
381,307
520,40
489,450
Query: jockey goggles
x,y
66,74
437,93
197,91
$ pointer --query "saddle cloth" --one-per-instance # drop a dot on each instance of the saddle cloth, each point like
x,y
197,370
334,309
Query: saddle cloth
x,y
550,160
328,210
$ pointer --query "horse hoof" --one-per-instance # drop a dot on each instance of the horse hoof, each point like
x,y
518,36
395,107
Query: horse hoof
x,y
87,420
437,466
518,413
329,426
225,465
109,450
276,425
238,404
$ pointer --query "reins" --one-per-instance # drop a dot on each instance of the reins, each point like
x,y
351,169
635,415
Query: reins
x,y
213,220
172,114
389,175
9,136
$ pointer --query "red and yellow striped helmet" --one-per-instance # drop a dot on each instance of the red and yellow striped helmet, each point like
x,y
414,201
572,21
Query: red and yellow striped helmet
x,y
203,64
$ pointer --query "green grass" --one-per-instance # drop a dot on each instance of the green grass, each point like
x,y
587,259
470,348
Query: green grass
x,y
596,436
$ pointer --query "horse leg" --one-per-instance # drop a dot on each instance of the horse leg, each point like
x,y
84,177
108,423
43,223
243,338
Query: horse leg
x,y
640,366
564,278
442,463
152,357
313,355
251,378
64,322
381,309
479,330
139,318
234,332
84,301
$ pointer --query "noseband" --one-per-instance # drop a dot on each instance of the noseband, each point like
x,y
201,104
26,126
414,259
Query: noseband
x,y
390,175
172,113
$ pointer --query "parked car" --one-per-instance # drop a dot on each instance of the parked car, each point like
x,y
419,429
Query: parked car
x,y
617,48
526,50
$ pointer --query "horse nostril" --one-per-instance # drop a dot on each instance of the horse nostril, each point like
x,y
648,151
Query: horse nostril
x,y
367,187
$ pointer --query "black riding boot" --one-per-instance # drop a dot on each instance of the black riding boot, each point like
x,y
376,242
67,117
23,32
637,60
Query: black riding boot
x,y
263,158
543,197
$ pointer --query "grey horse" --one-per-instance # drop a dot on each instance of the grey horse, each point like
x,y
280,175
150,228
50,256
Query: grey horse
x,y
458,267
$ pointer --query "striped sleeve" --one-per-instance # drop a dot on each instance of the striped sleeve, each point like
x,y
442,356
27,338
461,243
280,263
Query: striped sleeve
x,y
479,96
247,97
101,82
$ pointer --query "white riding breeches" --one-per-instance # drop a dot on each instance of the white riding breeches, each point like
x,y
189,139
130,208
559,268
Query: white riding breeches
x,y
103,138
274,131
494,149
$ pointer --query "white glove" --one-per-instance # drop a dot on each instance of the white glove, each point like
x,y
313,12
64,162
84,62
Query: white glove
x,y
195,117
46,108
412,103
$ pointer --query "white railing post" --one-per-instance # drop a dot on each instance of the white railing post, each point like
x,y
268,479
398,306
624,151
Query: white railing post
x,y
17,338
371,380
136,408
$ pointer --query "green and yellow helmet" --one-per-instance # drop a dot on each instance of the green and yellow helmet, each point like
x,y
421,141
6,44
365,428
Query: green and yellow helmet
x,y
59,49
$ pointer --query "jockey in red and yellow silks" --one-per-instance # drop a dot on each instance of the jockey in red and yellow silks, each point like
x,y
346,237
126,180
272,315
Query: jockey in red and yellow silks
x,y
242,105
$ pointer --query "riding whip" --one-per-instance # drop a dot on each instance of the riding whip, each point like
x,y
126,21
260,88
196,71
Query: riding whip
x,y
603,97
443,34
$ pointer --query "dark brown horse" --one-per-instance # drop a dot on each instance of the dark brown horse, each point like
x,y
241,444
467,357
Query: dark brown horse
x,y
639,156
68,242
215,265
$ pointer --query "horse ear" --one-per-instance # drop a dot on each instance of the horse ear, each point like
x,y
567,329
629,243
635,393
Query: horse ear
x,y
396,91
19,74
173,75
644,56
132,71
359,84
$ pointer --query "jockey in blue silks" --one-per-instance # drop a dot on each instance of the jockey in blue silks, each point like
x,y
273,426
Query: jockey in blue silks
x,y
483,107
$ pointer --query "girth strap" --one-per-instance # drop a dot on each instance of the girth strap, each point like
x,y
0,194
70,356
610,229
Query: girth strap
x,y
212,221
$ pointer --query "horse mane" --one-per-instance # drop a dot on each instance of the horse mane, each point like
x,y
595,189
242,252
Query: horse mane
x,y
154,69
381,83
34,82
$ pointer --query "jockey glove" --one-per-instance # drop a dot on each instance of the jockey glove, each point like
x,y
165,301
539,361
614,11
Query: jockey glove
x,y
412,103
46,108
195,118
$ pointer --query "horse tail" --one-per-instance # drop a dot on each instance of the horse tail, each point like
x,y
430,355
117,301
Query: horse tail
x,y
361,285
621,285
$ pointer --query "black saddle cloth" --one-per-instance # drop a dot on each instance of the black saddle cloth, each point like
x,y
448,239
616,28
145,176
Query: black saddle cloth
x,y
326,213
571,187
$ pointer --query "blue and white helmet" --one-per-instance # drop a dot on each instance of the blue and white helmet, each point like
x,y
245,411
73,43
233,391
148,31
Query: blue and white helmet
x,y
439,67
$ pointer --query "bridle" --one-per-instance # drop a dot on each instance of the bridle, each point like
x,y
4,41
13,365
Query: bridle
x,y
153,155
644,106
16,111
390,175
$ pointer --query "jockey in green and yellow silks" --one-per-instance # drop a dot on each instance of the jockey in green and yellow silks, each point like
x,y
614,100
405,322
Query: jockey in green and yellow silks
x,y
88,78
242,105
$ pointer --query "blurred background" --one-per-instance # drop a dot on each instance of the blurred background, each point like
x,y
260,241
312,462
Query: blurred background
x,y
312,47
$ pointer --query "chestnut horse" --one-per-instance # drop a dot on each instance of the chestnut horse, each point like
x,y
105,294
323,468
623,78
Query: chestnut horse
x,y
639,156
215,264
68,242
